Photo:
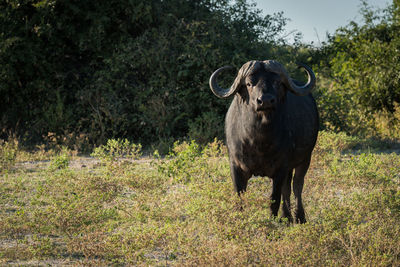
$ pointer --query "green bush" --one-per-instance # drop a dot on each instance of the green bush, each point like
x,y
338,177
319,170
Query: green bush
x,y
387,124
61,160
359,87
188,161
116,149
335,142
8,154
116,153
207,127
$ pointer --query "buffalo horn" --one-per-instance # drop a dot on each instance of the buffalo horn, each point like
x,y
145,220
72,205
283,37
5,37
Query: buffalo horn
x,y
218,91
300,90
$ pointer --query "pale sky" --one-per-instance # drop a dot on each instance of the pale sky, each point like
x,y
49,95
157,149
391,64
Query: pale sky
x,y
313,18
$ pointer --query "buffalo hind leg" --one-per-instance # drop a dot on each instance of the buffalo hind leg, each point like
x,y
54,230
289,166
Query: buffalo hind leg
x,y
286,191
298,182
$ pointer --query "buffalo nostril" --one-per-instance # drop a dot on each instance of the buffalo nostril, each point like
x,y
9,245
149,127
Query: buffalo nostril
x,y
259,101
272,101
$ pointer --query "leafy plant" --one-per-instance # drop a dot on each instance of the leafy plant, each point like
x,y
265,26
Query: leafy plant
x,y
8,154
61,161
189,161
116,152
359,73
335,142
207,127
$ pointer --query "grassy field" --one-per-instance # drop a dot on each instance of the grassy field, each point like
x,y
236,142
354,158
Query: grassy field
x,y
121,208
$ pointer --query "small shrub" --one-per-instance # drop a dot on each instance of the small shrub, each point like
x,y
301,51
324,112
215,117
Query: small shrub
x,y
188,161
38,153
117,152
163,145
215,149
181,161
116,149
205,128
8,154
61,161
331,143
387,124
335,142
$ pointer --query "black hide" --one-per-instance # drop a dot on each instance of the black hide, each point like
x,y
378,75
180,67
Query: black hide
x,y
271,132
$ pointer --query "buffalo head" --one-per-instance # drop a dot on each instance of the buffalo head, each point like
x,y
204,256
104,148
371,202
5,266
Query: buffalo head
x,y
262,84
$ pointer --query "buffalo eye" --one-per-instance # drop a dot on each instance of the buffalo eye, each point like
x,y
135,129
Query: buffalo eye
x,y
248,84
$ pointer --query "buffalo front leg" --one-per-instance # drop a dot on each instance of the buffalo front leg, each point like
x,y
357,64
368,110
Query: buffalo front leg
x,y
286,191
239,178
298,182
277,181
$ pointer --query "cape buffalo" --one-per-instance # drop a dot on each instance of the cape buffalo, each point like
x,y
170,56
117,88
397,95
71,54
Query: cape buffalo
x,y
271,128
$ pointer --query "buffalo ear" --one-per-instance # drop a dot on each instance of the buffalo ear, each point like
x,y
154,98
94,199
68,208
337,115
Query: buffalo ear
x,y
239,80
241,88
282,92
238,84
244,93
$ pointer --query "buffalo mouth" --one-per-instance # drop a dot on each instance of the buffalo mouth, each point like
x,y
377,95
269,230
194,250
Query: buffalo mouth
x,y
265,109
265,115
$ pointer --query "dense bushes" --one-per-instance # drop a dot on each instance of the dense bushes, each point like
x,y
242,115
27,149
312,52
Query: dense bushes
x,y
360,75
77,73
84,72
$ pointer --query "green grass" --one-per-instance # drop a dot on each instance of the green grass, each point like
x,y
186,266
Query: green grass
x,y
181,209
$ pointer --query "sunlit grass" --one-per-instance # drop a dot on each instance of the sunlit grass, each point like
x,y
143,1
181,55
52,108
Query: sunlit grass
x,y
181,210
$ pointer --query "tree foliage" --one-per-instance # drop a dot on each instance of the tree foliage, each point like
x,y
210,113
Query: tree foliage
x,y
98,69
362,61
81,72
